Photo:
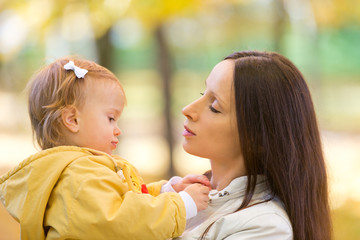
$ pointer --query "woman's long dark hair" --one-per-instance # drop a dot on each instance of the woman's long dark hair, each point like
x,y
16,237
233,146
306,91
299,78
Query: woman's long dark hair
x,y
279,138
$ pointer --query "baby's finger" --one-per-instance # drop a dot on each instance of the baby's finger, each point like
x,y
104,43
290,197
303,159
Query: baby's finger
x,y
203,180
205,190
191,178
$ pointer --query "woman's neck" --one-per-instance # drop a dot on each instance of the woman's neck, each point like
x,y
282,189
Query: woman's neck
x,y
224,172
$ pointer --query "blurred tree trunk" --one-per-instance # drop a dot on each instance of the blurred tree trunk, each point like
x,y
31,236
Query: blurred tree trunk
x,y
7,76
165,69
105,50
279,25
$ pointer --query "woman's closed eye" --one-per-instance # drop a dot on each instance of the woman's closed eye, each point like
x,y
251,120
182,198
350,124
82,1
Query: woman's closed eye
x,y
214,110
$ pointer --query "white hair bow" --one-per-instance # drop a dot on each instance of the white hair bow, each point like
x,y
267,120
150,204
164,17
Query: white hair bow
x,y
79,72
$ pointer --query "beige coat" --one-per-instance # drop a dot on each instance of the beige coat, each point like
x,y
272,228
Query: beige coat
x,y
265,221
76,193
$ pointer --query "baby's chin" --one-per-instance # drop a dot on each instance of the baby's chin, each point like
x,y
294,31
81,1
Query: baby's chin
x,y
107,151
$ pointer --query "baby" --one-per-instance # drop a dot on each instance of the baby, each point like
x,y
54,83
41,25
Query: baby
x,y
75,188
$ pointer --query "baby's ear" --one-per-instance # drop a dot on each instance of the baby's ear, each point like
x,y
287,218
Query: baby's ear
x,y
69,117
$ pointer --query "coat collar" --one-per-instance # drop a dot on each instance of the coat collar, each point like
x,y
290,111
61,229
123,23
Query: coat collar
x,y
236,189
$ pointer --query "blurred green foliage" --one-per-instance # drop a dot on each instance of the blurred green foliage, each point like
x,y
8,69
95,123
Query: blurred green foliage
x,y
321,37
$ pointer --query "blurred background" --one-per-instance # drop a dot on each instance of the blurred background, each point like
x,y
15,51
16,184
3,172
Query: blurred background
x,y
162,52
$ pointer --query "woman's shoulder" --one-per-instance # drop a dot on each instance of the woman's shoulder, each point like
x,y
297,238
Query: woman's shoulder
x,y
267,220
273,208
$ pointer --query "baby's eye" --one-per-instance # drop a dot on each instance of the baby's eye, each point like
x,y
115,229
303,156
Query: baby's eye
x,y
213,109
111,119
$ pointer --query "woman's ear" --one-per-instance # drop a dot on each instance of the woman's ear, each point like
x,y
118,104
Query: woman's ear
x,y
69,117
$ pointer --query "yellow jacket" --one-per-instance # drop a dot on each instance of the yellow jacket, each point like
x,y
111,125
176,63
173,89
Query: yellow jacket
x,y
75,193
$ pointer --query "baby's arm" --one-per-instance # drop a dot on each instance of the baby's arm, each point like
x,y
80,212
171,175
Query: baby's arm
x,y
99,204
178,184
189,180
193,189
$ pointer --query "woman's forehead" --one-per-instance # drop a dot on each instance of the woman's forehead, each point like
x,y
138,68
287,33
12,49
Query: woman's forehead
x,y
222,70
220,80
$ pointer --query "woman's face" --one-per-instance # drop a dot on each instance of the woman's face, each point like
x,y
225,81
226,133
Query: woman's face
x,y
211,128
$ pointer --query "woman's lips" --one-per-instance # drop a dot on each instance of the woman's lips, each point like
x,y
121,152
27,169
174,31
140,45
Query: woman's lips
x,y
187,132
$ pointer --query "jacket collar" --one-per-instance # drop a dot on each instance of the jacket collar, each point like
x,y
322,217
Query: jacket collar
x,y
236,189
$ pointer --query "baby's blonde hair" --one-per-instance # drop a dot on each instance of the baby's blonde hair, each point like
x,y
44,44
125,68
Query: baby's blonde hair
x,y
52,89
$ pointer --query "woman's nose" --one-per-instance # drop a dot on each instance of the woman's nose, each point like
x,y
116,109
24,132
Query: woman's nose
x,y
190,112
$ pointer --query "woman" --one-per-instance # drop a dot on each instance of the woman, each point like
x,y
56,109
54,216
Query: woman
x,y
256,123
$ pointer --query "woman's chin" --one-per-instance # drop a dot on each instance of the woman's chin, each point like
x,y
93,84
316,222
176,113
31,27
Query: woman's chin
x,y
196,152
189,149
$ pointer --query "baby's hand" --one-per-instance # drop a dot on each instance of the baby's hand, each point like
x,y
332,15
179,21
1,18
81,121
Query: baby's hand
x,y
191,179
200,194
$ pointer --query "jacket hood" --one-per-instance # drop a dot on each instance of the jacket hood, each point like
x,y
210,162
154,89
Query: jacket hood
x,y
26,189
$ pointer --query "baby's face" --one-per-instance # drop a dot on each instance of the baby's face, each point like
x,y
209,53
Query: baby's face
x,y
98,117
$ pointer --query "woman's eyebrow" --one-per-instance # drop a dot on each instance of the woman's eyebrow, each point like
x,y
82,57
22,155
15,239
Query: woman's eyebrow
x,y
218,98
